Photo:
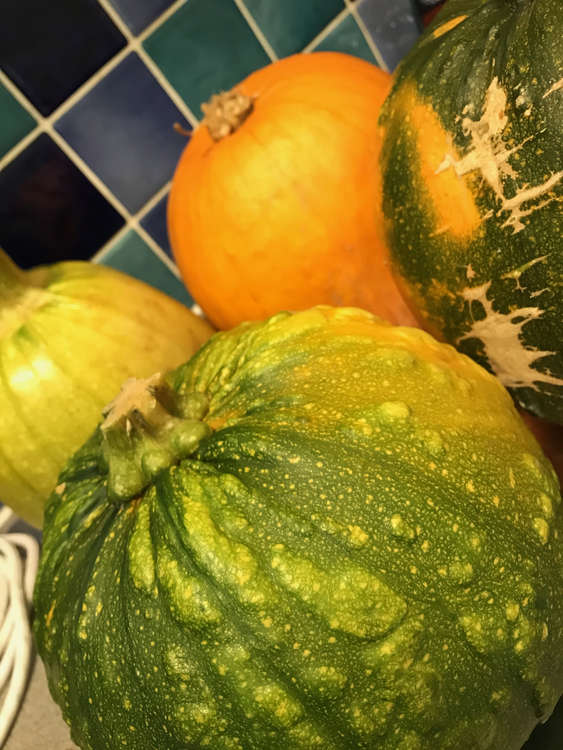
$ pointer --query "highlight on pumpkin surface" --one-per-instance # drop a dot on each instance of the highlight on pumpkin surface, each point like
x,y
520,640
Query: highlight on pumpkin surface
x,y
435,153
273,204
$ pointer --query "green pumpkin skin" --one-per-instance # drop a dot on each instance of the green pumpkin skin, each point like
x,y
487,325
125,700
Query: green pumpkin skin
x,y
472,171
363,551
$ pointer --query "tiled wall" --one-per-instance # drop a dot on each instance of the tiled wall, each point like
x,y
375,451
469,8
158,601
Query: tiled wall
x,y
90,91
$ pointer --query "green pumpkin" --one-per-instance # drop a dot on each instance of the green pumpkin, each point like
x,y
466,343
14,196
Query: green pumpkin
x,y
320,532
472,173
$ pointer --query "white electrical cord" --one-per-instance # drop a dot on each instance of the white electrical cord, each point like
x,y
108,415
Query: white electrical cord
x,y
17,577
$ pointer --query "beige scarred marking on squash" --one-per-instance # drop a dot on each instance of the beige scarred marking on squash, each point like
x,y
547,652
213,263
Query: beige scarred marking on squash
x,y
499,333
516,274
489,154
522,102
557,86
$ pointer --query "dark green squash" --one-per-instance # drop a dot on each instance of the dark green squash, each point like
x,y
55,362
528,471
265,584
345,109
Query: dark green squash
x,y
321,532
472,167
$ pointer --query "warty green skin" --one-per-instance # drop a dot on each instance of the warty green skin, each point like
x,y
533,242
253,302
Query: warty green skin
x,y
493,80
366,552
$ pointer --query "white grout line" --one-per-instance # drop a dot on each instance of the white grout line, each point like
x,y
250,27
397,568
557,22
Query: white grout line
x,y
135,44
103,250
79,162
20,146
151,203
368,37
131,221
327,29
45,125
142,232
164,257
258,33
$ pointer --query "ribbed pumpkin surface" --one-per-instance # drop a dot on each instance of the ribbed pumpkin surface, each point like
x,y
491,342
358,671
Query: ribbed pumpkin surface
x,y
472,174
364,553
70,334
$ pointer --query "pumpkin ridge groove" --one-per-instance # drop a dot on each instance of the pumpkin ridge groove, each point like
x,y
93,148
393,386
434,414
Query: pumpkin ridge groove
x,y
240,621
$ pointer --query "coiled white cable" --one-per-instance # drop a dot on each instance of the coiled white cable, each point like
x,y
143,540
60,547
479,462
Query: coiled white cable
x,y
19,556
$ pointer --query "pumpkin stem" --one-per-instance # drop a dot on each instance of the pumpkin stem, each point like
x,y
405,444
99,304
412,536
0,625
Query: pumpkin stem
x,y
12,279
19,295
149,427
225,113
181,129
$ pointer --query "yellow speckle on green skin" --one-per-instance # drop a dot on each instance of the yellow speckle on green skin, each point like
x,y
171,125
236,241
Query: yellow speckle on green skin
x,y
541,527
141,561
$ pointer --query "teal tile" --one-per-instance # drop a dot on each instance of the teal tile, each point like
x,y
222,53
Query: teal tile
x,y
347,37
205,47
289,25
132,255
15,122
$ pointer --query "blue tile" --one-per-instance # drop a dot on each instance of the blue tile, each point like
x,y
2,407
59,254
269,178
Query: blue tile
x,y
206,46
289,25
132,255
393,26
49,49
347,37
124,130
155,224
138,14
49,210
15,122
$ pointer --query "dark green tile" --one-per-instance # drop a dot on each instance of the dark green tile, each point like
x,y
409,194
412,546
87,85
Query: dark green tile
x,y
15,122
205,47
289,25
347,37
132,255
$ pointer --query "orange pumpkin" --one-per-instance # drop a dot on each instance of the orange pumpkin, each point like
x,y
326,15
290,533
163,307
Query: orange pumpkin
x,y
272,203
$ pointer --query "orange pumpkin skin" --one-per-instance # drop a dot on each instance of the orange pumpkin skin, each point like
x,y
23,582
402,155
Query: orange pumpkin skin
x,y
279,214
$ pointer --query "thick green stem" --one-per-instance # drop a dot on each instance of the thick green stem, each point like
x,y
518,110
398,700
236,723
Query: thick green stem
x,y
148,428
